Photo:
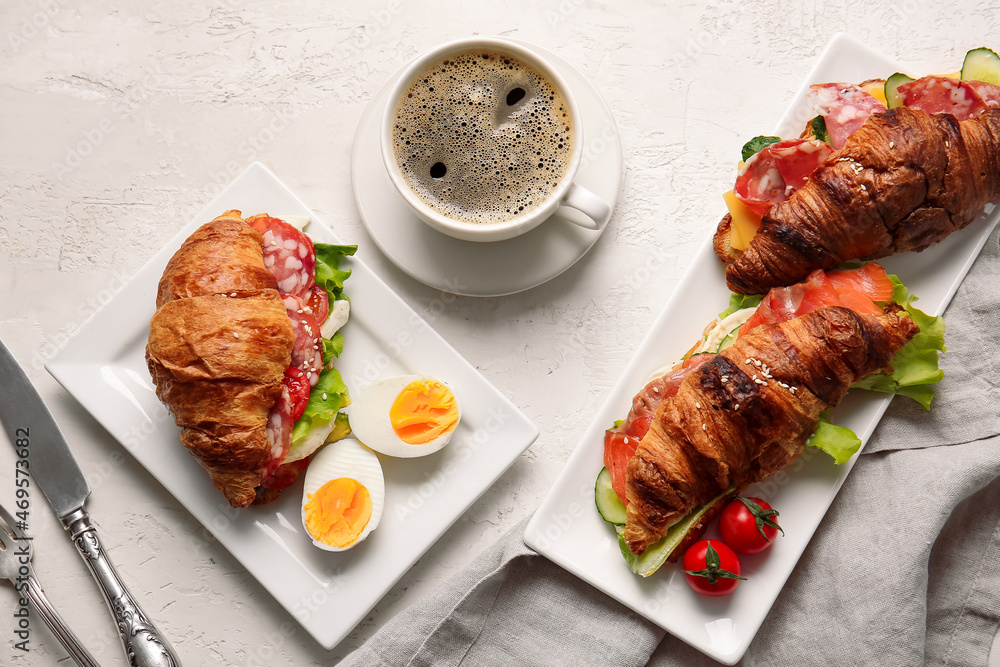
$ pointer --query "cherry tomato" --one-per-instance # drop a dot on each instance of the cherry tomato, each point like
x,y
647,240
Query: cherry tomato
x,y
747,525
297,383
319,302
711,568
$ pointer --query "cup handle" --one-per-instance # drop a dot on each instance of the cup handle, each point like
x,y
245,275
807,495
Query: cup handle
x,y
592,206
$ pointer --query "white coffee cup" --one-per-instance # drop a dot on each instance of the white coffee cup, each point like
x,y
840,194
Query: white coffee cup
x,y
565,193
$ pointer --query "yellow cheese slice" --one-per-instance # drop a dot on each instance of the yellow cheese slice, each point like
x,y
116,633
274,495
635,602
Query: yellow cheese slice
x,y
745,222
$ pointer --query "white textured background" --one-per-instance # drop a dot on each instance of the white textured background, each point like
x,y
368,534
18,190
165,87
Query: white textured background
x,y
120,119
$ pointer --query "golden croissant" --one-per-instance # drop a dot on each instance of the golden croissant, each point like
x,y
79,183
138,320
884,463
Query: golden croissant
x,y
219,343
747,412
905,180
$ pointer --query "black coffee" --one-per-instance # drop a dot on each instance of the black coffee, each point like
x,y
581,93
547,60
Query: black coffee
x,y
482,137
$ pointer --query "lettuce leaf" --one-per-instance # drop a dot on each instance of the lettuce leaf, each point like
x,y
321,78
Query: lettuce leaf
x,y
325,401
818,125
914,368
756,145
839,442
900,293
914,372
329,275
332,347
320,433
739,302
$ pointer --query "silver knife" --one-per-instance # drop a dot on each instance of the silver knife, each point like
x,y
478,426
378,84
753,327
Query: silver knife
x,y
56,472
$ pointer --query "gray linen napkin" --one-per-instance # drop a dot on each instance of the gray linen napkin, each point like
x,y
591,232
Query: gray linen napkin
x,y
904,569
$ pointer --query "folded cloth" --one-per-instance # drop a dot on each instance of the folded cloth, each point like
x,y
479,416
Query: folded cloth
x,y
904,569
511,606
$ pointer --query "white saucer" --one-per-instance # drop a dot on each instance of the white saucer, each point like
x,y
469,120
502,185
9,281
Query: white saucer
x,y
489,268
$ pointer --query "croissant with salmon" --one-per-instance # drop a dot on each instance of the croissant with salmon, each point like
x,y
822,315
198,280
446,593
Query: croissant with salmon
x,y
748,411
219,343
905,180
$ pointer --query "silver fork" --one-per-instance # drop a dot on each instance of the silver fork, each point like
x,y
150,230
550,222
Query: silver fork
x,y
15,564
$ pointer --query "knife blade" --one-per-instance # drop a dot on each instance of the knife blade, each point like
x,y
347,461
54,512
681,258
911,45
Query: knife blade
x,y
55,471
53,466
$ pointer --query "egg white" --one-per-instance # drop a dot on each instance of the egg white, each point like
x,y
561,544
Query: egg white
x,y
370,423
346,458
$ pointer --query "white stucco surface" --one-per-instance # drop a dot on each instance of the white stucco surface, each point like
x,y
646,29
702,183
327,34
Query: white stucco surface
x,y
119,120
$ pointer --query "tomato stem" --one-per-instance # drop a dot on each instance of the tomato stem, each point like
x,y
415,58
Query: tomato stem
x,y
713,567
762,516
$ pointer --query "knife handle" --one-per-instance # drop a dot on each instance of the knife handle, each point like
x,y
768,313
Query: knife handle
x,y
144,645
33,590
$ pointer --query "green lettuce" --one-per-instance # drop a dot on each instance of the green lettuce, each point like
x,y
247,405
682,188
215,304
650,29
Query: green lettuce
x,y
332,347
756,145
914,373
818,125
321,431
839,442
329,275
325,401
915,367
739,302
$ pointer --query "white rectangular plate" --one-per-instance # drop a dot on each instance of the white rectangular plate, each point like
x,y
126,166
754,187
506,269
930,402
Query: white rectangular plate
x,y
568,529
104,367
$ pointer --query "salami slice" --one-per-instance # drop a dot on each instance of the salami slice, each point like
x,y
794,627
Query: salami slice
x,y
941,94
279,431
798,158
845,107
288,254
307,353
774,173
759,184
989,93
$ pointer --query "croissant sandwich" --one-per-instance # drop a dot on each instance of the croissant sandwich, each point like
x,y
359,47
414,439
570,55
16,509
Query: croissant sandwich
x,y
745,401
230,361
747,412
863,182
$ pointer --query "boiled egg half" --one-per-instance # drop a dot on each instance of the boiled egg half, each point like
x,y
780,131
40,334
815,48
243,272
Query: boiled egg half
x,y
405,416
343,495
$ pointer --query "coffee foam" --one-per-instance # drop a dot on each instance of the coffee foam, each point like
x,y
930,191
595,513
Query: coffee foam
x,y
500,160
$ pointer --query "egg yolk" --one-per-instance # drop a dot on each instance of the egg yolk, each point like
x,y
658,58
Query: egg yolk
x,y
338,512
423,411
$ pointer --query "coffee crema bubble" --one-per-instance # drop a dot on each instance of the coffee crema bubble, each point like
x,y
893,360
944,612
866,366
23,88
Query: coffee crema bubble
x,y
481,137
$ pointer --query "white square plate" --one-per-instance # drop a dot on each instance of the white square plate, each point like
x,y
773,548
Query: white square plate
x,y
103,366
568,529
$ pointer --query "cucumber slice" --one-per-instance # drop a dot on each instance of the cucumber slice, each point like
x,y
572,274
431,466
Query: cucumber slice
x,y
730,338
657,554
608,504
892,99
981,65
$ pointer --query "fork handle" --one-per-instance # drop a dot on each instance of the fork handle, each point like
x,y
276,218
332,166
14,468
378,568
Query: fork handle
x,y
33,590
144,645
